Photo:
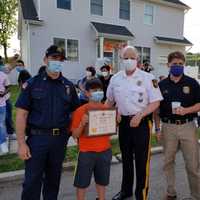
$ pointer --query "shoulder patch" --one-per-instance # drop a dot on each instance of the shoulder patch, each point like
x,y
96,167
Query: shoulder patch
x,y
155,83
24,86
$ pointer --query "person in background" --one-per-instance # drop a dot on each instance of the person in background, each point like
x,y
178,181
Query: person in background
x,y
4,88
177,112
9,122
90,74
147,67
162,77
94,152
105,78
24,75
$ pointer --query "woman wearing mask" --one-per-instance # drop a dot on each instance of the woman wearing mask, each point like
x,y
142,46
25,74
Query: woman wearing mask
x,y
90,74
105,78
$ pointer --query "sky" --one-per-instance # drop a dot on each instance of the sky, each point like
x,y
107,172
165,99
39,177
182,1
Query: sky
x,y
192,24
191,29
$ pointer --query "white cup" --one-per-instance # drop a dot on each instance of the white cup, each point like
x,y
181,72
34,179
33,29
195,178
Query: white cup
x,y
175,105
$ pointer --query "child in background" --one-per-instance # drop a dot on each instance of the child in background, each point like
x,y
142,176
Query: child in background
x,y
94,152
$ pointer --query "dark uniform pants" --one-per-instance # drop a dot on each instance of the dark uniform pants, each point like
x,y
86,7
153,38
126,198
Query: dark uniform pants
x,y
43,169
135,141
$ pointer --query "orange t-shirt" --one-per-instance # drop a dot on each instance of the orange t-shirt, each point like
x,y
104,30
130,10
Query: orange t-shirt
x,y
95,144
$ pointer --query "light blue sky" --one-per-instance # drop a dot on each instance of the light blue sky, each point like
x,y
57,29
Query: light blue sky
x,y
192,24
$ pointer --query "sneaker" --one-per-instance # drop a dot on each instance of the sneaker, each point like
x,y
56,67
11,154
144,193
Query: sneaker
x,y
4,148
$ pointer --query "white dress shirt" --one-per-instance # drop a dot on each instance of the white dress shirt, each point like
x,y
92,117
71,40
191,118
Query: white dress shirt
x,y
132,94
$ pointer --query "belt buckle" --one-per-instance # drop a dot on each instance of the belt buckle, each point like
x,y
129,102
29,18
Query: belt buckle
x,y
56,131
178,122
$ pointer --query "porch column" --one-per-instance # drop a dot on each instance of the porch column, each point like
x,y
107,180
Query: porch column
x,y
101,41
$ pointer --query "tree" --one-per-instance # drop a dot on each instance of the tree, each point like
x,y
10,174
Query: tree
x,y
8,22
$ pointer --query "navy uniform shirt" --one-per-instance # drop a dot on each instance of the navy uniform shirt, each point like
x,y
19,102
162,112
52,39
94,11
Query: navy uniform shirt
x,y
49,102
186,91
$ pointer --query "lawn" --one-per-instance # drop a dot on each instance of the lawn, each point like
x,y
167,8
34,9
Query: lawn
x,y
14,94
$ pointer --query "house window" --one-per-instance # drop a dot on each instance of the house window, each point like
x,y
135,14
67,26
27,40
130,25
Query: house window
x,y
60,43
96,7
144,54
148,14
124,9
64,4
72,50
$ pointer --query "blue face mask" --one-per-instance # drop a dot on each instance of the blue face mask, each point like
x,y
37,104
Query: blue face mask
x,y
177,70
55,66
19,68
97,96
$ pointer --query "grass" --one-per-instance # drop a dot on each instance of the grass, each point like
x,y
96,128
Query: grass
x,y
12,162
14,90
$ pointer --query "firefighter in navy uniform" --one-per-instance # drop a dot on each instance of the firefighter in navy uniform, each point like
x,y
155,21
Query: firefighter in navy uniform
x,y
135,94
44,110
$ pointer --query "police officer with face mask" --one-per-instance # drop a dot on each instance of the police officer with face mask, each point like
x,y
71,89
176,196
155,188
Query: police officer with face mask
x,y
44,109
177,112
135,94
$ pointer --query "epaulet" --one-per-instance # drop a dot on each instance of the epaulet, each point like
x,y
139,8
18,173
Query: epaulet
x,y
66,82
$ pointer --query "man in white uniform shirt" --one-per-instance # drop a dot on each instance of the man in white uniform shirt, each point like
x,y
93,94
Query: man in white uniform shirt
x,y
136,95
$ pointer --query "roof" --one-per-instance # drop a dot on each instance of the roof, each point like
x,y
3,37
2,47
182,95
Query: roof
x,y
111,29
28,10
183,41
177,2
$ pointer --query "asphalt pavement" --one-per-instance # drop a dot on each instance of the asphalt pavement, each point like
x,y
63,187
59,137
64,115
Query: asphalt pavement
x,y
12,190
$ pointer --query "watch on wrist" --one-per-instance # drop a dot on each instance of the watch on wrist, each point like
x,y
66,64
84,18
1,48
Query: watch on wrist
x,y
157,130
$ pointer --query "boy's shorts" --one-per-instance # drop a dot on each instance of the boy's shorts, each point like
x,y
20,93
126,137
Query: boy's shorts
x,y
93,162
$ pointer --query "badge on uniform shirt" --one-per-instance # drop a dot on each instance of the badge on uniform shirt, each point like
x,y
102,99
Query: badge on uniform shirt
x,y
140,100
139,83
186,90
67,88
155,83
165,92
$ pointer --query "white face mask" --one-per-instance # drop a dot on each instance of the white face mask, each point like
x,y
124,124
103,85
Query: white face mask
x,y
129,64
104,74
88,73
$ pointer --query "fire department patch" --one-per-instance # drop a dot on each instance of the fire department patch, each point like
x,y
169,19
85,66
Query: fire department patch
x,y
155,83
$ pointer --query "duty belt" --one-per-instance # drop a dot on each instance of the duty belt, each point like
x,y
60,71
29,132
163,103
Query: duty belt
x,y
177,121
53,131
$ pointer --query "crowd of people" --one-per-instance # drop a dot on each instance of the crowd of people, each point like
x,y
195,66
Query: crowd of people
x,y
6,122
49,111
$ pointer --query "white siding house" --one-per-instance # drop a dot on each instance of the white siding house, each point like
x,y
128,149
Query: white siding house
x,y
91,29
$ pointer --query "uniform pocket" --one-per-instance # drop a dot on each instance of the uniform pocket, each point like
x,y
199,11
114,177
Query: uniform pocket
x,y
38,94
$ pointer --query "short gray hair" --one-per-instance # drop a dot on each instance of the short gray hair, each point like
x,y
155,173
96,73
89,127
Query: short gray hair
x,y
132,48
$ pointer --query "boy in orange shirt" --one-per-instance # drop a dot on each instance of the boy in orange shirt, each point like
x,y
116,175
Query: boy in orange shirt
x,y
94,152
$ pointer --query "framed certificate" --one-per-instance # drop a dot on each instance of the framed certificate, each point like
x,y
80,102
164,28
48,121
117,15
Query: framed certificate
x,y
102,122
